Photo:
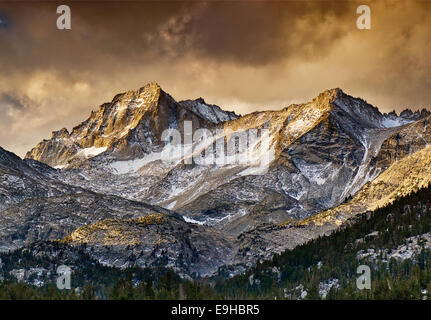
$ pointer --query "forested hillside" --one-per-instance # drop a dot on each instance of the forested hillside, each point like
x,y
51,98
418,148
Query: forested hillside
x,y
393,241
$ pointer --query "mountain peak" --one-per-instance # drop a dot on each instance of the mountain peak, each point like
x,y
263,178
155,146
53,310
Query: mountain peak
x,y
331,94
148,90
152,85
129,126
328,97
334,92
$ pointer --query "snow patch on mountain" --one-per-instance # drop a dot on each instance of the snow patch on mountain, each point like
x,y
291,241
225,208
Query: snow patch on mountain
x,y
91,152
397,122
190,220
132,166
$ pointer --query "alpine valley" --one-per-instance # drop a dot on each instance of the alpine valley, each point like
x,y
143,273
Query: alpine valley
x,y
103,191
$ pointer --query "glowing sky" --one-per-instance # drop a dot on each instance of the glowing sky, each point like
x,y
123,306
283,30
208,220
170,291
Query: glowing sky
x,y
242,55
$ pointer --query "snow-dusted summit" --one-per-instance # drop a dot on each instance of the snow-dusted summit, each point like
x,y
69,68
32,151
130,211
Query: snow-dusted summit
x,y
128,127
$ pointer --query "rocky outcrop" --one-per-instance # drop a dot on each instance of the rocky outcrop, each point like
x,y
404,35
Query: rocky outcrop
x,y
54,217
156,240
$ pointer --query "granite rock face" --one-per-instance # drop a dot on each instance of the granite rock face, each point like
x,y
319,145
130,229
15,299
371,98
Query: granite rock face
x,y
156,240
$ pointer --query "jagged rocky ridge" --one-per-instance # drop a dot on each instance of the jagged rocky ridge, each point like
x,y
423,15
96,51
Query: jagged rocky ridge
x,y
324,152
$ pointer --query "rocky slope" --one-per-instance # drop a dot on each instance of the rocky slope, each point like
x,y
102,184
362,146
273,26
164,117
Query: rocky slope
x,y
402,178
303,160
20,181
318,154
155,240
54,217
35,208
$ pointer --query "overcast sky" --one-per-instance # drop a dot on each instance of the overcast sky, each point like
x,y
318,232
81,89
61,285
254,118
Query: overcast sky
x,y
244,56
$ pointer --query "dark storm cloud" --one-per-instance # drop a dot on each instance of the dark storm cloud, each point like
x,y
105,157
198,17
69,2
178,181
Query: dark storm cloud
x,y
242,32
13,100
263,32
3,21
12,106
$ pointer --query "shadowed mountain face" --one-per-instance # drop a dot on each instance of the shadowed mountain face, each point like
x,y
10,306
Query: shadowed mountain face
x,y
20,181
305,159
